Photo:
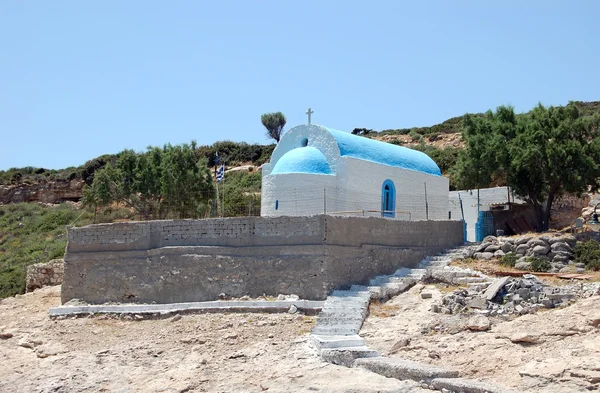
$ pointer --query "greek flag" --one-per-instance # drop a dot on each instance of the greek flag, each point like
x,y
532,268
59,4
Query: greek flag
x,y
221,173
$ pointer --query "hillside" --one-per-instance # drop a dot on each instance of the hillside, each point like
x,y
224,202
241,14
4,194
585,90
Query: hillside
x,y
35,232
32,233
441,141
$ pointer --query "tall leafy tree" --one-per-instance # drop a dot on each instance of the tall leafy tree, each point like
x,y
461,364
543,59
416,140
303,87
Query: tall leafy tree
x,y
162,182
274,123
541,154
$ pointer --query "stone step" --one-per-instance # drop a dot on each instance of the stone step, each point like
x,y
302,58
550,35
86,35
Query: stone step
x,y
341,310
337,330
402,272
348,304
363,298
346,356
467,386
348,294
404,369
359,288
350,322
379,280
331,341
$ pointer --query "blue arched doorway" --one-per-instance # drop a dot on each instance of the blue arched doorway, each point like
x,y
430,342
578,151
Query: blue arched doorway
x,y
388,199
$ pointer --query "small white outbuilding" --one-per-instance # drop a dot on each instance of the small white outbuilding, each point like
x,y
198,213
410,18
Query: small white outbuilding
x,y
318,170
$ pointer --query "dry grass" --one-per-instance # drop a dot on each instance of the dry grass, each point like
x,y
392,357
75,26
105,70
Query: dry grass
x,y
383,310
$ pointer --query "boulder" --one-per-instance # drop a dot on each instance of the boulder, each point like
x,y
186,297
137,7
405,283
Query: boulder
x,y
478,323
499,254
487,255
525,338
523,266
506,247
566,269
537,242
561,258
493,248
491,239
569,239
540,249
560,246
521,249
483,246
522,240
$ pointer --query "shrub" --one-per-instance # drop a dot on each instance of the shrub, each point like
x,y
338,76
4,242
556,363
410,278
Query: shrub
x,y
539,264
509,259
415,137
434,137
589,254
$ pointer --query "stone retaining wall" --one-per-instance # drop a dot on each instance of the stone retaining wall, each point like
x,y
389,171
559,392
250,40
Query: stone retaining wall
x,y
197,260
43,274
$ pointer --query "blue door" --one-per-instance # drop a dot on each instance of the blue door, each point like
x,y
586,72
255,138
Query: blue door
x,y
484,226
388,199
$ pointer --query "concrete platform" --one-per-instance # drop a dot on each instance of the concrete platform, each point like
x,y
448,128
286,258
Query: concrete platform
x,y
306,306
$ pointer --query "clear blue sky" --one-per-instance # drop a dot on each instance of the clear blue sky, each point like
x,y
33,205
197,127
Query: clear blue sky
x,y
79,78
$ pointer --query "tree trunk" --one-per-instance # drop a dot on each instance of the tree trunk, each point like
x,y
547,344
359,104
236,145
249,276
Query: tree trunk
x,y
548,211
539,217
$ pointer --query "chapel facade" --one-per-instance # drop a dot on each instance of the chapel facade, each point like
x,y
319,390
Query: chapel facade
x,y
319,170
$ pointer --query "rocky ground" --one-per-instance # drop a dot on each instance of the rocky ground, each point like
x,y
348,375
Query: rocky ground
x,y
197,353
555,350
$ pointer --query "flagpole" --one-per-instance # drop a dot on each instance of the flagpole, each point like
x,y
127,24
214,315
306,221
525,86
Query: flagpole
x,y
217,183
223,190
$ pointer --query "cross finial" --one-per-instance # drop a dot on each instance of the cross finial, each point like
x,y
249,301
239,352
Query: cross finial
x,y
309,112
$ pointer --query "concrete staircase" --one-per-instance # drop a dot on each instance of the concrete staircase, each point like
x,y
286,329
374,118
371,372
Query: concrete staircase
x,y
335,334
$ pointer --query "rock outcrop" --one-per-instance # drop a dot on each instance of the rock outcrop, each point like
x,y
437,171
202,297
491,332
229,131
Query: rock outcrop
x,y
45,192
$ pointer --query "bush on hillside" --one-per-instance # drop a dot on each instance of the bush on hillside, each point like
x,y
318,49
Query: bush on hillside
x,y
589,254
509,259
30,234
539,264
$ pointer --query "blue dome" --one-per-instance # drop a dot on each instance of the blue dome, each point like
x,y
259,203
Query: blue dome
x,y
383,153
303,160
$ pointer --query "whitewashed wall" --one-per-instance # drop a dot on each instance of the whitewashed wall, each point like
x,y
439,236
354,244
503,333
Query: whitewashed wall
x,y
299,194
356,187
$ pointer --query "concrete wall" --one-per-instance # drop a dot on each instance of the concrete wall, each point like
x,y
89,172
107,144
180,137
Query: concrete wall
x,y
196,260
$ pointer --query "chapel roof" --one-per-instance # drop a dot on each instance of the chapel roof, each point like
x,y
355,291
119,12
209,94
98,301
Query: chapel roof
x,y
383,153
303,160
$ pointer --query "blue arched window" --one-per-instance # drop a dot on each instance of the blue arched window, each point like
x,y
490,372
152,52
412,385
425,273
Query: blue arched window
x,y
388,199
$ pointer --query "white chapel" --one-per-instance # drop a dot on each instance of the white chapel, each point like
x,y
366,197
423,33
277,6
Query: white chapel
x,y
318,170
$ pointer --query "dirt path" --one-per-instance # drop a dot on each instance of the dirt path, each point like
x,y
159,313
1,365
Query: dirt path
x,y
563,355
198,353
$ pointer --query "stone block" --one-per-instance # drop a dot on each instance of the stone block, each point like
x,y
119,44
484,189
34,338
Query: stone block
x,y
404,369
467,386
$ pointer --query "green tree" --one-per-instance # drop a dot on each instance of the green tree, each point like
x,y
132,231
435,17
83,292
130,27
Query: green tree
x,y
274,123
172,181
540,155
